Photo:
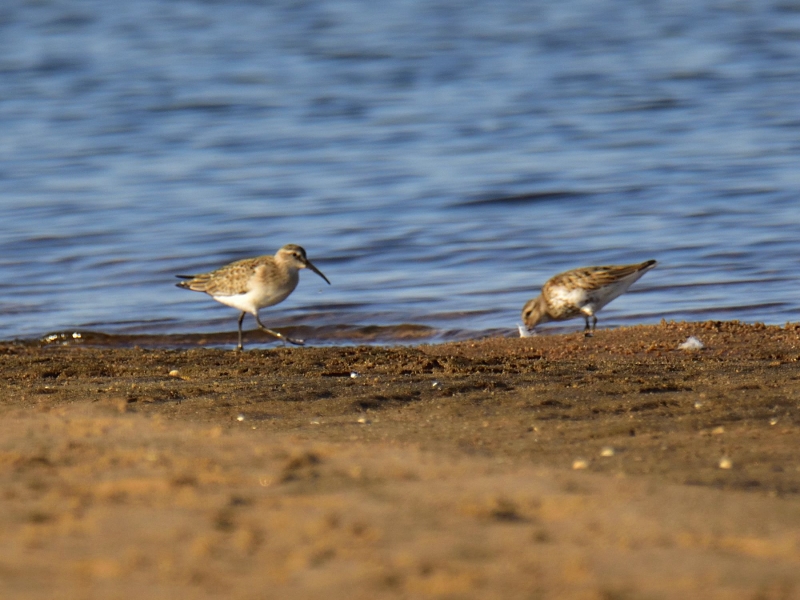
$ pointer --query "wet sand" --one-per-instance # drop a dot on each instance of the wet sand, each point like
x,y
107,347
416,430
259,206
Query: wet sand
x,y
558,466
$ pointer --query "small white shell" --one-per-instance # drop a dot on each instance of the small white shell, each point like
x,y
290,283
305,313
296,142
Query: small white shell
x,y
691,344
524,331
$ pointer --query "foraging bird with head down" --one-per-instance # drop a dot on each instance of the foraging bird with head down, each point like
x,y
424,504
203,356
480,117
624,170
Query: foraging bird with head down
x,y
254,283
581,292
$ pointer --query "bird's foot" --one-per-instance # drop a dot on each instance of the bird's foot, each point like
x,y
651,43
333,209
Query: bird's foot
x,y
282,337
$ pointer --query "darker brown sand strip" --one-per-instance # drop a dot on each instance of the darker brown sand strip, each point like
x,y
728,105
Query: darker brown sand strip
x,y
439,471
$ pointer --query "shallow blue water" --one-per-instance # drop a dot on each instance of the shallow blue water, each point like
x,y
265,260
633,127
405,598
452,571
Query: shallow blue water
x,y
438,161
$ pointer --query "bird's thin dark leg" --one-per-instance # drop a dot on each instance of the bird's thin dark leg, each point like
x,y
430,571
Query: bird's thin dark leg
x,y
241,318
280,336
594,322
587,331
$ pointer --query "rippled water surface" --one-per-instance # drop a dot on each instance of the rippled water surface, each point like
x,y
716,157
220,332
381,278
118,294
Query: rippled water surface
x,y
437,160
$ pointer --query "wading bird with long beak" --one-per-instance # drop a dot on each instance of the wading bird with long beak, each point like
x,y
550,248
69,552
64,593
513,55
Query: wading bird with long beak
x,y
254,283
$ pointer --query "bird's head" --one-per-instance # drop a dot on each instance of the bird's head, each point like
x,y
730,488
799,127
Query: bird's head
x,y
534,312
295,257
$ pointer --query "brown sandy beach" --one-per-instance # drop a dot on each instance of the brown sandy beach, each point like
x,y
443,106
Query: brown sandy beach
x,y
611,467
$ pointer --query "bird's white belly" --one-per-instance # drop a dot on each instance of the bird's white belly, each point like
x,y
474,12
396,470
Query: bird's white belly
x,y
253,300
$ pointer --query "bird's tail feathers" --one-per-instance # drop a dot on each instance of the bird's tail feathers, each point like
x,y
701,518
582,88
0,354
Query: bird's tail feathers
x,y
187,285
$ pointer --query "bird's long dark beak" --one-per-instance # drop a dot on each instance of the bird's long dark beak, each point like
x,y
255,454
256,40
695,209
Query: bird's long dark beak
x,y
316,270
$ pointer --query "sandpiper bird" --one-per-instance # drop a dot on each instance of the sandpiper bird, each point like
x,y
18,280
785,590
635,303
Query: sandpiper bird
x,y
254,283
581,292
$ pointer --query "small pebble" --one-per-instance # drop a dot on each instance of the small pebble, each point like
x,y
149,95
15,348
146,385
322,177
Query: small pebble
x,y
435,384
240,417
364,421
725,463
580,463
315,422
607,451
691,344
718,430
773,421
353,375
698,404
174,373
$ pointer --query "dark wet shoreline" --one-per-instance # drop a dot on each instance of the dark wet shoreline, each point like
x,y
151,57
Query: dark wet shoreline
x,y
341,335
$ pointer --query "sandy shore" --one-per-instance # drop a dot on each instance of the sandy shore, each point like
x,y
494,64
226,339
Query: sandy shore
x,y
611,467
